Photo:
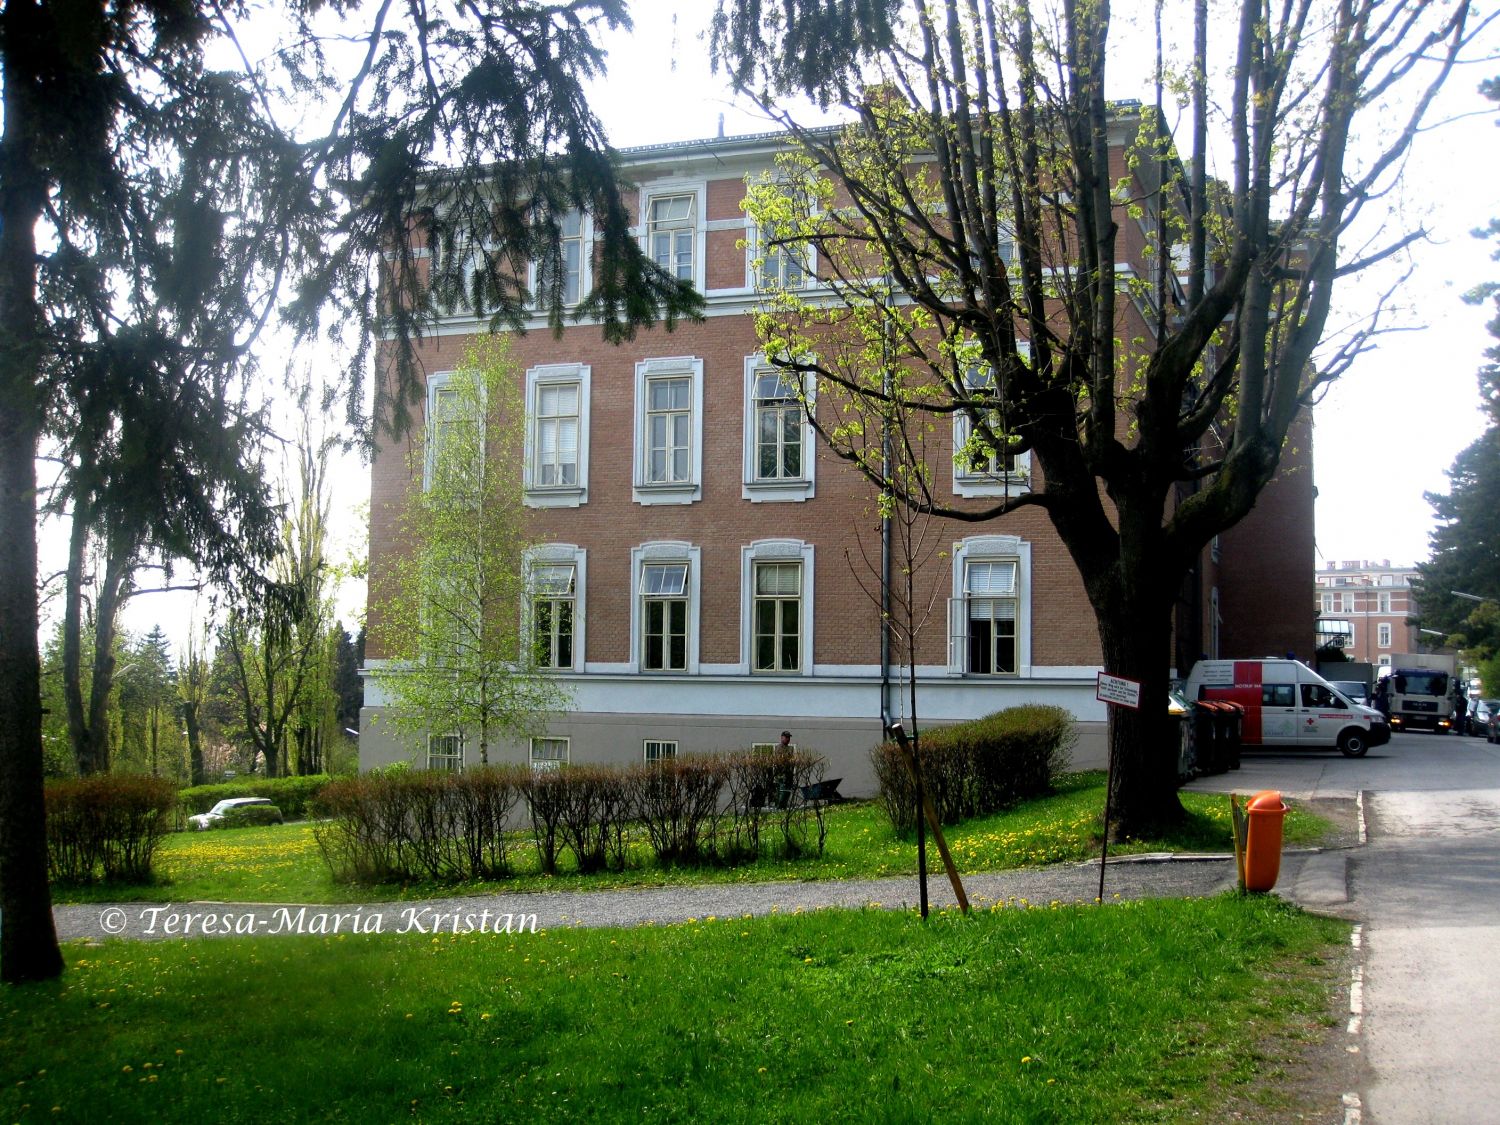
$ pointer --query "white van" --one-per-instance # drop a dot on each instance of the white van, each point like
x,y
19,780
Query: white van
x,y
1288,704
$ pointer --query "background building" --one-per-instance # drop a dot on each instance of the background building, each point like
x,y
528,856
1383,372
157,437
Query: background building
x,y
1364,606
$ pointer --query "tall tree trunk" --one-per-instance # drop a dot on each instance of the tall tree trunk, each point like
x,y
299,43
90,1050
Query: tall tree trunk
x,y
194,739
1135,638
28,938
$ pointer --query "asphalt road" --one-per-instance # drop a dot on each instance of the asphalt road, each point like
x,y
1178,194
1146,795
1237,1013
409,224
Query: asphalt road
x,y
1426,890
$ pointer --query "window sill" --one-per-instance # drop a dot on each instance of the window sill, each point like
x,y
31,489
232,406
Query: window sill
x,y
568,496
687,493
777,491
1009,485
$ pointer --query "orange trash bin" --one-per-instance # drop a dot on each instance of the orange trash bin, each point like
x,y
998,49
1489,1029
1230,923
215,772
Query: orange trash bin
x,y
1265,812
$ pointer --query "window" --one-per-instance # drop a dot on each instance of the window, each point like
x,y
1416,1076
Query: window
x,y
990,589
1385,603
672,233
1383,634
990,613
557,462
549,753
445,751
552,605
979,470
1278,695
659,751
664,613
664,610
669,431
779,458
776,609
778,267
452,430
572,261
777,617
1328,606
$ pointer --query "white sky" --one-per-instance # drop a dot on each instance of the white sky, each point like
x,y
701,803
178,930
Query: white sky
x,y
1388,432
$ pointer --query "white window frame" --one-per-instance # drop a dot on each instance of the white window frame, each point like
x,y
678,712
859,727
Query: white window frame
x,y
780,489
971,483
1328,606
645,491
662,754
1383,634
549,761
558,554
448,758
1385,603
437,385
776,551
666,552
698,191
535,494
585,242
762,255
989,548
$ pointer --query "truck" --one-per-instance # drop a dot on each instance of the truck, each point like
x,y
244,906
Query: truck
x,y
1421,692
1286,703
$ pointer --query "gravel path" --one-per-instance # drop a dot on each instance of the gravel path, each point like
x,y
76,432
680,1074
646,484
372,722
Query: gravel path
x,y
1129,878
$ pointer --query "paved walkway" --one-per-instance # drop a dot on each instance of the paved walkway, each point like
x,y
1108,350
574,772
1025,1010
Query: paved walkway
x,y
1315,879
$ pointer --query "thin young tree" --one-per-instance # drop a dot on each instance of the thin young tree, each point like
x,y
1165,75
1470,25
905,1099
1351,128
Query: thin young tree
x,y
978,177
451,608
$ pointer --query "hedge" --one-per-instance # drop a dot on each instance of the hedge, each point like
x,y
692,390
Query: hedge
x,y
452,827
979,767
106,827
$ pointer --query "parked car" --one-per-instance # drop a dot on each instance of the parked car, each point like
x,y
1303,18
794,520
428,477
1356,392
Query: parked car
x,y
1355,691
233,809
1479,716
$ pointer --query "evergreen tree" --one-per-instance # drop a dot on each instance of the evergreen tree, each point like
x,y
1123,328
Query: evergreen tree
x,y
153,204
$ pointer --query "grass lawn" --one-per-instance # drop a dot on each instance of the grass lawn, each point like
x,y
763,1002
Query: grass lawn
x,y
282,863
1144,1011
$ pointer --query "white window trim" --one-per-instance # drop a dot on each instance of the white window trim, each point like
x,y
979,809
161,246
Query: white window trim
x,y
585,264
1385,635
557,496
775,550
666,551
772,491
560,554
463,747
971,484
697,188
435,383
685,492
988,548
549,763
648,742
755,251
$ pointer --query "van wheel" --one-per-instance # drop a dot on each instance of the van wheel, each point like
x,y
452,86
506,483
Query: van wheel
x,y
1353,744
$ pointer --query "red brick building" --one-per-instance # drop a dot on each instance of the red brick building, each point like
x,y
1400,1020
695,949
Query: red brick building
x,y
1364,605
696,576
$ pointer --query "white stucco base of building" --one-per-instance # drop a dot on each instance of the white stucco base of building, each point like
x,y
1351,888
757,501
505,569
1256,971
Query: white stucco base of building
x,y
834,715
